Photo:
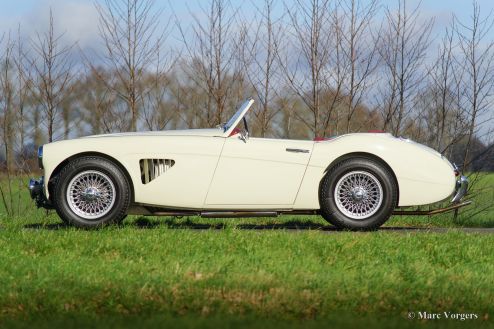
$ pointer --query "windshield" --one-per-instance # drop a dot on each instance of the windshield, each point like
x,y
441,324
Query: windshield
x,y
238,115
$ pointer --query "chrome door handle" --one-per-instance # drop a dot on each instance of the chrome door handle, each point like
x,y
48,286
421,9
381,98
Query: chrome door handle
x,y
297,150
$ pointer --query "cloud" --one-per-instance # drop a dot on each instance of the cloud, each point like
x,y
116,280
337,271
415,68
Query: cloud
x,y
77,20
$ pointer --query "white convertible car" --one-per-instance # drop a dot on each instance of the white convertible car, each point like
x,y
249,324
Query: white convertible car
x,y
355,181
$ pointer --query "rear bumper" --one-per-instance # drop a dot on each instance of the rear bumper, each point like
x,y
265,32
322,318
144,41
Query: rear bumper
x,y
36,190
461,189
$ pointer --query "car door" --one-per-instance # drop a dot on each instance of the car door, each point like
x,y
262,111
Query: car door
x,y
258,173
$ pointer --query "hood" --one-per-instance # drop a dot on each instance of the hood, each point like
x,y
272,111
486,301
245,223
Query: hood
x,y
213,132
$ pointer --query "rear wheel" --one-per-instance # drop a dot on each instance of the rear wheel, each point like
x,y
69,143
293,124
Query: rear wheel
x,y
358,194
91,192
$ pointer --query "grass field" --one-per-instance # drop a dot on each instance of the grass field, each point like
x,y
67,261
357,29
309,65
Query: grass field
x,y
192,272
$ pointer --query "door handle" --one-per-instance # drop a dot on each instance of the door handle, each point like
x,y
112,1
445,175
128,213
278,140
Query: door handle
x,y
297,150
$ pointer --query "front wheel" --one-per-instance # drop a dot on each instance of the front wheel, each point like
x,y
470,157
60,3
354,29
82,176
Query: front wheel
x,y
91,192
358,194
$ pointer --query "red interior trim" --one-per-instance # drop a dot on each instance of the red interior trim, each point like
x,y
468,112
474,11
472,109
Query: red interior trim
x,y
234,132
322,139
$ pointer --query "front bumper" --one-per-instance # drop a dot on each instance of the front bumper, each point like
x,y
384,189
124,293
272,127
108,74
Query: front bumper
x,y
36,190
461,189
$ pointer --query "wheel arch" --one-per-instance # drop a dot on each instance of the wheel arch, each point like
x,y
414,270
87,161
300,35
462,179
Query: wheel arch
x,y
366,156
62,164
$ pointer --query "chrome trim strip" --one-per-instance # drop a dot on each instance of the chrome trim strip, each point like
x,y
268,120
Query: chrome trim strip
x,y
297,150
238,214
40,157
461,189
431,212
36,191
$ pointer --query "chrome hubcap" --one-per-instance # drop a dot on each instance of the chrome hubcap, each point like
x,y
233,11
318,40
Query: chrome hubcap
x,y
91,194
358,194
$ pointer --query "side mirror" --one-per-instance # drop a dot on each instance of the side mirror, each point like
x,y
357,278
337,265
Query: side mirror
x,y
244,135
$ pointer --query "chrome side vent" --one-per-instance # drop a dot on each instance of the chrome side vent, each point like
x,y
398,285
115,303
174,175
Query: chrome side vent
x,y
152,168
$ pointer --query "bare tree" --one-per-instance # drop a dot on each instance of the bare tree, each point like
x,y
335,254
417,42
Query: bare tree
x,y
402,48
131,34
24,81
312,41
357,52
212,62
53,70
259,55
477,54
7,102
441,74
158,112
98,104
187,98
10,97
442,123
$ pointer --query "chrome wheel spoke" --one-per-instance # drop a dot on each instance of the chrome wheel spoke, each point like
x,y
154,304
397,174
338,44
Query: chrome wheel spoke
x,y
91,194
358,194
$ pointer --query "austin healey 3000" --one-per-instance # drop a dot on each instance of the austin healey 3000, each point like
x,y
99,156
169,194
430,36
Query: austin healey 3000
x,y
354,181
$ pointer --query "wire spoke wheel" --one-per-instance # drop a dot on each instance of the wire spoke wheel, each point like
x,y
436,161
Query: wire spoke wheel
x,y
358,194
91,194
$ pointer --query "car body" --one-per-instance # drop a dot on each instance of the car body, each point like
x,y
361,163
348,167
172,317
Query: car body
x,y
221,172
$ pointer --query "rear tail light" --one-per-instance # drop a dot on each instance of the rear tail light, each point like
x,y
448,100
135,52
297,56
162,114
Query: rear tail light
x,y
456,170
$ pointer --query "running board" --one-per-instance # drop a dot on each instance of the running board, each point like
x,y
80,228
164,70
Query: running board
x,y
431,212
150,211
255,213
238,214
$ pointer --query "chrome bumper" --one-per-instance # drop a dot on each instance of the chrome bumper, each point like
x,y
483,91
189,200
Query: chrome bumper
x,y
461,189
36,190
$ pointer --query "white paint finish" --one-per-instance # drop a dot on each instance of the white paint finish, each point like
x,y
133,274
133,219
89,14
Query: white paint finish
x,y
258,172
184,185
423,176
212,132
308,194
415,192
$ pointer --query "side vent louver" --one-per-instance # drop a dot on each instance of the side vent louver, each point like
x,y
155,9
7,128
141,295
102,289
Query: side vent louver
x,y
152,168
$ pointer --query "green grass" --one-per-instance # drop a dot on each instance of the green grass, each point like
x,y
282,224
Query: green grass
x,y
168,272
192,272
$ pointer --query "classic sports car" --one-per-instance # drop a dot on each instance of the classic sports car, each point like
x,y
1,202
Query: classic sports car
x,y
354,181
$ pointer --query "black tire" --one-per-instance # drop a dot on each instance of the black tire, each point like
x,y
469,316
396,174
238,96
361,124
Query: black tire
x,y
337,209
114,207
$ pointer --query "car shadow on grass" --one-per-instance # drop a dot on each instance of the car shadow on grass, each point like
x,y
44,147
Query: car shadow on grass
x,y
170,223
47,226
292,225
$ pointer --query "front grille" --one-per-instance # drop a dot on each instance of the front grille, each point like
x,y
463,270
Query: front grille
x,y
153,168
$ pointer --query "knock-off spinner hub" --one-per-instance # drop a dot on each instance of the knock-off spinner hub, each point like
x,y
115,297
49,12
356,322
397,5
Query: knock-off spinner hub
x,y
358,194
91,194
